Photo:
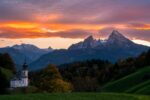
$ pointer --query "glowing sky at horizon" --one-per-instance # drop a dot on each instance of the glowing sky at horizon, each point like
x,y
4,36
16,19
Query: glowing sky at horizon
x,y
60,23
55,43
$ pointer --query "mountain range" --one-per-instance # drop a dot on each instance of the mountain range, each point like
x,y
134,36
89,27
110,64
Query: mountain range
x,y
115,38
28,52
115,47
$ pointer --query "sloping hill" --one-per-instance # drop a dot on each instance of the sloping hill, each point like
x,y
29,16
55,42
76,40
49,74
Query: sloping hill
x,y
140,87
128,82
144,90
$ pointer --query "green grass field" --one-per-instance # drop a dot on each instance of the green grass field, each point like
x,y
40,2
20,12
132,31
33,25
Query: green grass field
x,y
130,83
75,96
140,87
135,83
144,90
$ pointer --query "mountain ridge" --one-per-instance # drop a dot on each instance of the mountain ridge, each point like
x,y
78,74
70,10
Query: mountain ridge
x,y
24,51
90,42
115,47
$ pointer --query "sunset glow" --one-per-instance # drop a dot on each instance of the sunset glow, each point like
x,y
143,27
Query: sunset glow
x,y
71,20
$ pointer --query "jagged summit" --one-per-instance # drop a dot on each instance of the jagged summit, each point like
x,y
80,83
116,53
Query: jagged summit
x,y
116,35
115,47
115,39
115,32
89,42
89,38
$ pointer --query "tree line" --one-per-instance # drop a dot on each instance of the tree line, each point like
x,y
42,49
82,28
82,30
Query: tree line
x,y
86,76
6,65
92,75
81,76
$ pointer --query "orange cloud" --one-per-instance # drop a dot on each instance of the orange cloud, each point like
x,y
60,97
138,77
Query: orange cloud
x,y
145,27
66,27
42,27
38,30
138,27
19,25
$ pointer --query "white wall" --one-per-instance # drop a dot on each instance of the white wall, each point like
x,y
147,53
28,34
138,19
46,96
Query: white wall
x,y
19,83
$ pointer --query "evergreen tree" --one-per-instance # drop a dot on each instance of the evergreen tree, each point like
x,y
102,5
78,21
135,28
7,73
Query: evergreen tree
x,y
7,62
3,83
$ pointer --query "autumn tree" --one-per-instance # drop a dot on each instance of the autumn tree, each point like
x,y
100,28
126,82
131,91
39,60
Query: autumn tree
x,y
50,80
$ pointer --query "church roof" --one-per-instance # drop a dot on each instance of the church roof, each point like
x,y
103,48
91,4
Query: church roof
x,y
25,66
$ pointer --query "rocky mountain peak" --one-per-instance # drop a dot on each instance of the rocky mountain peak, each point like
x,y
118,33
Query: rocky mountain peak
x,y
89,39
116,36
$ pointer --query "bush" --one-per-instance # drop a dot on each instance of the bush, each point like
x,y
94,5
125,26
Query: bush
x,y
23,90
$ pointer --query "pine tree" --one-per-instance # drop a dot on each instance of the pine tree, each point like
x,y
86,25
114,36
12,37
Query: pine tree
x,y
7,62
3,83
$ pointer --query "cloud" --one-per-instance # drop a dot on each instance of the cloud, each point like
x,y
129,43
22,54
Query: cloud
x,y
11,12
132,31
75,18
138,34
77,11
29,33
102,12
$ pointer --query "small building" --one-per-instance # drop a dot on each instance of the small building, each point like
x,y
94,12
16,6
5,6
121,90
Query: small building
x,y
21,78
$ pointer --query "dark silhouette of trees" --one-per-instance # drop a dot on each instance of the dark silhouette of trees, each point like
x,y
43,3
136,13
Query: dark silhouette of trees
x,y
7,62
4,83
92,75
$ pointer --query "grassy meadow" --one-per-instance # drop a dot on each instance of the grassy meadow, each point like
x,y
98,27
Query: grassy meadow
x,y
75,96
137,83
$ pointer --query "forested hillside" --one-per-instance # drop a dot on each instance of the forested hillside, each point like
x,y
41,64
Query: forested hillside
x,y
93,75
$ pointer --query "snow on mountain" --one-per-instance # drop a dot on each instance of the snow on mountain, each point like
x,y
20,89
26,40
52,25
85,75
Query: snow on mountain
x,y
31,48
31,51
89,42
115,38
25,47
115,47
28,51
118,39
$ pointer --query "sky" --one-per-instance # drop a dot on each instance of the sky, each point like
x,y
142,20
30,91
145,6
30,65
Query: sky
x,y
60,23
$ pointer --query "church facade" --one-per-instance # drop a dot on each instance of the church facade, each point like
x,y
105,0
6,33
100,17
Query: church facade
x,y
21,78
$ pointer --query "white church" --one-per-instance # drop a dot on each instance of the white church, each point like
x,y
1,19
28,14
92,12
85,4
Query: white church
x,y
21,78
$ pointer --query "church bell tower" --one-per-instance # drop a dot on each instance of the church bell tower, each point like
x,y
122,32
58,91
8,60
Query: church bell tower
x,y
25,74
25,70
